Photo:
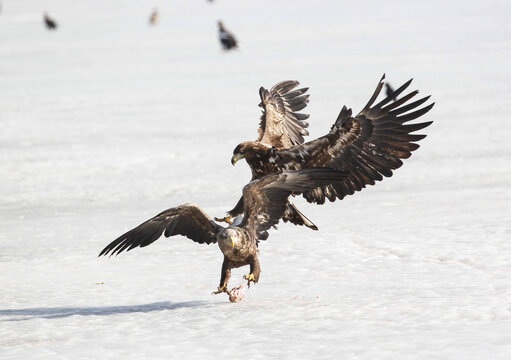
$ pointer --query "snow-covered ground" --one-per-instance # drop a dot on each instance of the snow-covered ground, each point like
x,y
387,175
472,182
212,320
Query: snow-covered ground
x,y
107,121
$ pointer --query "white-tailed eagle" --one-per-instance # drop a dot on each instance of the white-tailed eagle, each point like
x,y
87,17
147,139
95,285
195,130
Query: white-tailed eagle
x,y
264,204
366,147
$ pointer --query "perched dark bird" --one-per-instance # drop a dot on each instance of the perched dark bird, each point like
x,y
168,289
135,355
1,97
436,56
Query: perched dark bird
x,y
49,22
366,147
389,91
226,38
264,205
153,19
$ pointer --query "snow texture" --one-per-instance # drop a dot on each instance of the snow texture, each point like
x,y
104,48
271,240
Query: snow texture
x,y
108,120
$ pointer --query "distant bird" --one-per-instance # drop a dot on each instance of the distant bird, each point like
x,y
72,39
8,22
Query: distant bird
x,y
265,203
49,22
389,91
226,38
153,20
367,146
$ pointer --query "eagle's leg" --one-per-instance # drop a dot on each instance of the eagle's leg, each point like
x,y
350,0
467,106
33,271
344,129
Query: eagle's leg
x,y
255,271
237,210
224,279
227,219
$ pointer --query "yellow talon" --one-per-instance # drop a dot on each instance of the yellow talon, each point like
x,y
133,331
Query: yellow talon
x,y
250,278
227,219
220,290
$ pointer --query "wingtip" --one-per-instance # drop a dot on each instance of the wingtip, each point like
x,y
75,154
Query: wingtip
x,y
429,107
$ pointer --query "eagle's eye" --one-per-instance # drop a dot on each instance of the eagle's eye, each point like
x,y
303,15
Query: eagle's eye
x,y
237,150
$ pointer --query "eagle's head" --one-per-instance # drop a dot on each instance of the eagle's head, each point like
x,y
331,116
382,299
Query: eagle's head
x,y
250,151
240,152
228,239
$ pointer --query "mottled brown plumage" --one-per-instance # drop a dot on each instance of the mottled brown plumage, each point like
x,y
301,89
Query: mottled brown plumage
x,y
281,124
281,127
366,147
264,205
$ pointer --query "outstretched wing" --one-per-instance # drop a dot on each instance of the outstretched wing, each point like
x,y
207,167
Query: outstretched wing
x,y
188,220
265,199
281,125
367,147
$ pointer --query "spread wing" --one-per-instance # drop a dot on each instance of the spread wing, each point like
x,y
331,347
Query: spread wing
x,y
188,220
367,147
265,199
281,125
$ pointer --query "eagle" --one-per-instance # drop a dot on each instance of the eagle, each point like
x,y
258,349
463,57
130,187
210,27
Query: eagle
x,y
281,126
227,39
264,205
367,147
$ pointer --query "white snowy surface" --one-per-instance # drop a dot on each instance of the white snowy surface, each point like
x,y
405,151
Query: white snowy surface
x,y
107,121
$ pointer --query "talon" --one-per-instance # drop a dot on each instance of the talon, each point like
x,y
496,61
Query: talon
x,y
221,289
227,219
250,278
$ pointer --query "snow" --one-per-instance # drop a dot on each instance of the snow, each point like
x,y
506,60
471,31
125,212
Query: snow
x,y
107,121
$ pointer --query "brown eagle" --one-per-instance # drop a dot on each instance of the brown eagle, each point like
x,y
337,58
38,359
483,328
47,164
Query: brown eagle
x,y
281,127
366,147
264,204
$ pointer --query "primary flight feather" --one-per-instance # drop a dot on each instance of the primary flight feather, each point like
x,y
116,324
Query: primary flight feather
x,y
264,205
366,147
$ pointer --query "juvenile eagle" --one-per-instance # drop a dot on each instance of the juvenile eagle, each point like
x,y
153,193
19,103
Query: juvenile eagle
x,y
281,127
264,205
366,147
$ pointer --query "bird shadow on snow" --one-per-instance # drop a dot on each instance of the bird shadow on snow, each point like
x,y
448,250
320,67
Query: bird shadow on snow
x,y
61,312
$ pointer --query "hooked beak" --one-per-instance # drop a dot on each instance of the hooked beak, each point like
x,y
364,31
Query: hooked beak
x,y
232,242
235,158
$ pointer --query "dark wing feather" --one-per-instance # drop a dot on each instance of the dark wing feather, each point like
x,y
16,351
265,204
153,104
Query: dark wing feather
x,y
265,199
187,220
281,125
367,147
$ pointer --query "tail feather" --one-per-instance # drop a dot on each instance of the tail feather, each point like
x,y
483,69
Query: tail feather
x,y
294,216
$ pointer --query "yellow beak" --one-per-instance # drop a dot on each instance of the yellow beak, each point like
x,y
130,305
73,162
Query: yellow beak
x,y
235,158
